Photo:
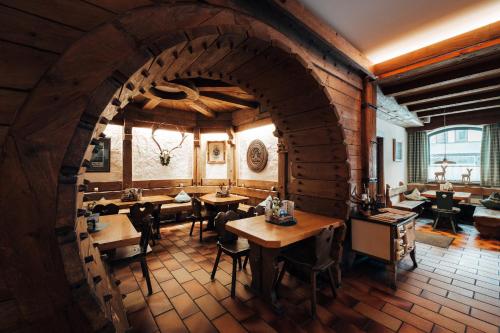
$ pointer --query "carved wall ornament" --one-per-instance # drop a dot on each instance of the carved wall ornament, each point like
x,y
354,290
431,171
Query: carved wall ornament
x,y
257,156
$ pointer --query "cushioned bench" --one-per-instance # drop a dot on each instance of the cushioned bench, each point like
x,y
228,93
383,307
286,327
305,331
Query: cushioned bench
x,y
403,204
487,221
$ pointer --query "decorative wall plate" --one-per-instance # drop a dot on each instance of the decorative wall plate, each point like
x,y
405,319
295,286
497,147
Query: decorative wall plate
x,y
257,156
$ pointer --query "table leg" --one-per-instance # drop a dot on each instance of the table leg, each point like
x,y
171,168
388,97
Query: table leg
x,y
392,271
264,264
413,256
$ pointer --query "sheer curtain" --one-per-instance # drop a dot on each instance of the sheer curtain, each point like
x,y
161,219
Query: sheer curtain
x,y
418,157
490,155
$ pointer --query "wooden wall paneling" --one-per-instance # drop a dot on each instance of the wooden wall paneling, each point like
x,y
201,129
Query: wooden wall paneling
x,y
104,186
320,153
322,136
231,156
261,63
35,31
11,101
328,207
307,120
257,184
320,171
196,157
3,134
283,166
254,124
22,66
119,6
305,101
369,134
253,192
127,155
336,190
213,182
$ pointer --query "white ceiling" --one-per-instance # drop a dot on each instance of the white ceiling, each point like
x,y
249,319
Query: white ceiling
x,y
383,29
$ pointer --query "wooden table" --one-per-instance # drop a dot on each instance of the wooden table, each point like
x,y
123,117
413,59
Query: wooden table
x,y
118,233
457,196
220,204
212,199
154,199
266,241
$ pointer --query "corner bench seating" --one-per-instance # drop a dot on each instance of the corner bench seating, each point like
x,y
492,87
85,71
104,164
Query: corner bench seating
x,y
478,192
487,221
403,204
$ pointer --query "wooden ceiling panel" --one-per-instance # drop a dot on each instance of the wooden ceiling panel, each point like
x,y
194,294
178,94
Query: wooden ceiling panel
x,y
462,108
456,101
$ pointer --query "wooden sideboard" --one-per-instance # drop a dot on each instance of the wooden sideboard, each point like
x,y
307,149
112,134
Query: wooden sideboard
x,y
384,241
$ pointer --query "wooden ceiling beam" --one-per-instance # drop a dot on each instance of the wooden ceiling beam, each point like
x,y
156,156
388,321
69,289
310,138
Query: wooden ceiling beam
x,y
461,46
228,99
439,94
452,77
201,108
456,101
461,108
468,118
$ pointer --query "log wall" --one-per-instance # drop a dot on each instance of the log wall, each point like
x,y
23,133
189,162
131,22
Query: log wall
x,y
67,69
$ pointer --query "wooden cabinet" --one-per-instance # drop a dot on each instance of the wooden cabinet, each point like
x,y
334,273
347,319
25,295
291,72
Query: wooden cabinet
x,y
384,241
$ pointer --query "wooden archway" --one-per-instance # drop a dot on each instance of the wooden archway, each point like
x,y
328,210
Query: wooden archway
x,y
44,153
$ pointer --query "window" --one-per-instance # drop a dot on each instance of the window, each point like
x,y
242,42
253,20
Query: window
x,y
463,146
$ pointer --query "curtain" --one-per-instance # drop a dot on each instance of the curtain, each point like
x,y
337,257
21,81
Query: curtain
x,y
418,157
490,155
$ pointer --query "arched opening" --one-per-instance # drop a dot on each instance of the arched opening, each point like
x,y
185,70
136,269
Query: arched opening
x,y
137,53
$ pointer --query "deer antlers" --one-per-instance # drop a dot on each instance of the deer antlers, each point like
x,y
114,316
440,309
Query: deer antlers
x,y
166,154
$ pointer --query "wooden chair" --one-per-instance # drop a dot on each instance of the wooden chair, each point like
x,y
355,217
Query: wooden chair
x,y
137,214
260,210
444,209
133,253
231,245
198,216
321,253
98,209
110,209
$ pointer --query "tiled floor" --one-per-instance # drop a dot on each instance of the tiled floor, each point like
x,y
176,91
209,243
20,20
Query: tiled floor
x,y
452,290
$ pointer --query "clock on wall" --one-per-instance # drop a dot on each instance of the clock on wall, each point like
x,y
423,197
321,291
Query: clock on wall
x,y
256,156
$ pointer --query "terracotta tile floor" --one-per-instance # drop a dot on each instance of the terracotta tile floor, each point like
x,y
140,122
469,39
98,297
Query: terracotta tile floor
x,y
453,290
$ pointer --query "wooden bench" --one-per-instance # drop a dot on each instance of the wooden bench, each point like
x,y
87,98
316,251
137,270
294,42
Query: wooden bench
x,y
487,221
175,208
403,204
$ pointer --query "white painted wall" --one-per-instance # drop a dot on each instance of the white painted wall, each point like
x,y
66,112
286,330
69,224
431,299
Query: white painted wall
x,y
115,132
213,171
394,172
243,139
145,155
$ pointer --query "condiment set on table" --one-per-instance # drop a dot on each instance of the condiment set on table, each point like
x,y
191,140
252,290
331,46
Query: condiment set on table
x,y
280,212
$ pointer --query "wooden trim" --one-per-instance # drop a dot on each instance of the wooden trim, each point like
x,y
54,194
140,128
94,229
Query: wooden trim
x,y
154,183
213,182
254,124
127,155
469,42
369,132
257,184
328,34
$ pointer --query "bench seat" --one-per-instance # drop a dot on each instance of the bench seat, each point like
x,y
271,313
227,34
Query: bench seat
x,y
176,207
409,205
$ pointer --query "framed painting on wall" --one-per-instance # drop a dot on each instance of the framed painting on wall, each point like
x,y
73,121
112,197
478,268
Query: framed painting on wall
x,y
100,159
397,150
216,152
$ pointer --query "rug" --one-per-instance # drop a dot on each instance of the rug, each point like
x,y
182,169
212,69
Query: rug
x,y
434,240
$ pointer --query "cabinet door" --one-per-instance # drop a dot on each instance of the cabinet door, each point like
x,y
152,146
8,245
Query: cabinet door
x,y
373,239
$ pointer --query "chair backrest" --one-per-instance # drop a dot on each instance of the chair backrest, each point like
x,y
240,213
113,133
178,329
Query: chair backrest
x,y
260,210
110,209
196,204
233,206
250,212
444,200
337,243
221,219
147,222
97,209
139,211
323,245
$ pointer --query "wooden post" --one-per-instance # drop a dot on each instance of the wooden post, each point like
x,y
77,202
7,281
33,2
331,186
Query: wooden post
x,y
196,157
369,135
231,156
282,166
127,154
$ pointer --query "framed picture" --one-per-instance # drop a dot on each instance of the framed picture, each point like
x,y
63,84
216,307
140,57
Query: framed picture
x,y
100,160
216,152
397,150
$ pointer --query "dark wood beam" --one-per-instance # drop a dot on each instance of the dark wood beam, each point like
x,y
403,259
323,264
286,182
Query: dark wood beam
x,y
439,94
468,118
456,101
455,48
160,115
451,77
228,99
461,108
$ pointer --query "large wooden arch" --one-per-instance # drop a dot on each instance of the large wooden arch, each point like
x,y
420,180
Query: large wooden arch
x,y
42,171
